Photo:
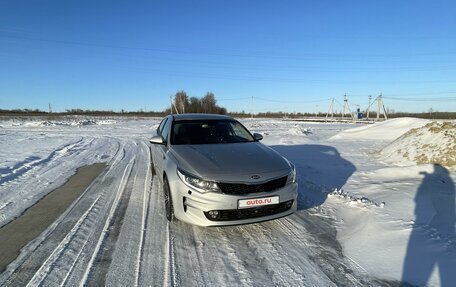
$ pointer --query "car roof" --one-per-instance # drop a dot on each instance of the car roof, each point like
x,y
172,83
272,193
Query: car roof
x,y
184,117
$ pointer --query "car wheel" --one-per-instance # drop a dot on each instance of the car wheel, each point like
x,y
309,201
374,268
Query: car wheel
x,y
168,201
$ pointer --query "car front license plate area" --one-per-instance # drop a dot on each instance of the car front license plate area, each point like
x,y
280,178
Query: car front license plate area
x,y
260,201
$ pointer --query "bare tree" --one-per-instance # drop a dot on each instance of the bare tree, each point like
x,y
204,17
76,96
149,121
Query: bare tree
x,y
181,101
195,105
209,103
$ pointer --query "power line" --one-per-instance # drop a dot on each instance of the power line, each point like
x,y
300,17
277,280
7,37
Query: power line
x,y
442,99
235,99
425,93
284,101
279,67
237,77
233,53
410,94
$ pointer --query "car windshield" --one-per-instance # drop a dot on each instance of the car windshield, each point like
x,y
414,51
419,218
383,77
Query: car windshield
x,y
209,132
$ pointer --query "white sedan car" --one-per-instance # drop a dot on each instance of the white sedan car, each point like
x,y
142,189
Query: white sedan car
x,y
215,172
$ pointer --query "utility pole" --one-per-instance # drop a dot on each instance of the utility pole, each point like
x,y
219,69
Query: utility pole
x,y
251,110
381,107
346,107
50,108
171,101
331,109
345,104
368,107
378,106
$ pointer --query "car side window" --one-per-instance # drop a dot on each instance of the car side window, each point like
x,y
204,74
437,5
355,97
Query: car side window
x,y
165,132
162,124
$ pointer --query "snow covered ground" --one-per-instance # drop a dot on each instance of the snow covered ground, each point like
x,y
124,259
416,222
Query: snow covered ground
x,y
368,214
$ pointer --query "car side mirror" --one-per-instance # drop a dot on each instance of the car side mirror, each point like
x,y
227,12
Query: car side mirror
x,y
257,137
156,140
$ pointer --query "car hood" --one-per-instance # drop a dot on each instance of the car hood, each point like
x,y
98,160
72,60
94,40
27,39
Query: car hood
x,y
234,162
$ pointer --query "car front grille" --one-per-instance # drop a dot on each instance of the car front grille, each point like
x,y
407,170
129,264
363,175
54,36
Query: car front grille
x,y
242,188
248,213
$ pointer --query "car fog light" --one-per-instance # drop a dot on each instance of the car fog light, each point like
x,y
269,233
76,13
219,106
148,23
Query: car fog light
x,y
213,214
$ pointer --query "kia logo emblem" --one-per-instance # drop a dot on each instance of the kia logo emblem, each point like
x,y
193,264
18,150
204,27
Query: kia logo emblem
x,y
255,176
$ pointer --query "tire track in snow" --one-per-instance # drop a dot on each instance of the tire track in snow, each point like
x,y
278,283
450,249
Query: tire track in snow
x,y
145,226
154,267
145,212
238,267
126,252
50,262
25,166
200,257
41,249
115,180
108,221
173,274
119,155
323,249
261,242
226,268
46,178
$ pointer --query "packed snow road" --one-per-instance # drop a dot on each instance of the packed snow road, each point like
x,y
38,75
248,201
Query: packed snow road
x,y
116,233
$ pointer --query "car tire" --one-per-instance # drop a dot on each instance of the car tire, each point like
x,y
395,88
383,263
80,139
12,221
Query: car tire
x,y
169,209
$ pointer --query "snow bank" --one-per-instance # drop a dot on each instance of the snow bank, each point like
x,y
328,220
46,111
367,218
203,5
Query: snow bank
x,y
57,121
74,123
360,200
433,143
298,130
388,130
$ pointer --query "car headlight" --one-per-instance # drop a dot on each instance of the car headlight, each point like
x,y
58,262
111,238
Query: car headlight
x,y
199,184
292,176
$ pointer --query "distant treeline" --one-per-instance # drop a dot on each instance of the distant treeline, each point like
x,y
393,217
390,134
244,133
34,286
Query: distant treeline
x,y
22,112
36,112
372,115
208,104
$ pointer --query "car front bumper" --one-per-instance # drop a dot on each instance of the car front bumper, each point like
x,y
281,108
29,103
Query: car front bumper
x,y
193,207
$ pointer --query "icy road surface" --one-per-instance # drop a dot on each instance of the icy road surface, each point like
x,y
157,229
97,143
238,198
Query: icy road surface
x,y
116,233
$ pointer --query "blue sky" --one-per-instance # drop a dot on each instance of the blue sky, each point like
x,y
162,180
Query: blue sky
x,y
289,55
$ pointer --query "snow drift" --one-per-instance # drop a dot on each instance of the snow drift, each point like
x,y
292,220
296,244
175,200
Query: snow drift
x,y
388,130
434,143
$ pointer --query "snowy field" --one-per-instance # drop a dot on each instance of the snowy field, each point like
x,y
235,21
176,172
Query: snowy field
x,y
372,208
